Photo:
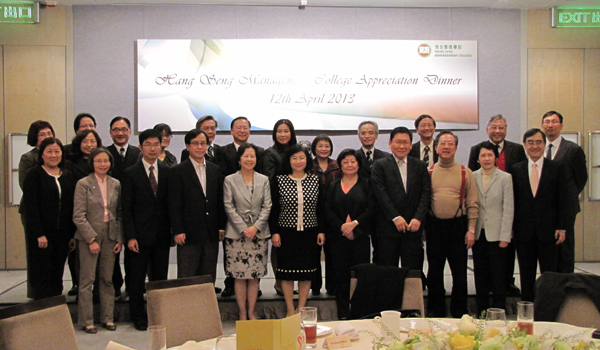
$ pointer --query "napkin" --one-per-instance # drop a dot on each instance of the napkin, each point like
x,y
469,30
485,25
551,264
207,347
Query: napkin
x,y
192,345
116,346
345,328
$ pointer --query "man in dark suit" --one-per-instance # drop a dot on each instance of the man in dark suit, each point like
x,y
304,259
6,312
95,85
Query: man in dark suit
x,y
424,149
227,161
209,125
368,133
542,211
146,225
509,153
402,190
196,209
570,155
124,156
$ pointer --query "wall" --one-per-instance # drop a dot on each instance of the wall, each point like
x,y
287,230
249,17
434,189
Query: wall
x,y
104,55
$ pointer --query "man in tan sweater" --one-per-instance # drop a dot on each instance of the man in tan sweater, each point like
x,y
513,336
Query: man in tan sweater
x,y
450,227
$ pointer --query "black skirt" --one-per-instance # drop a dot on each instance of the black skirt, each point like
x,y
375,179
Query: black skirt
x,y
296,258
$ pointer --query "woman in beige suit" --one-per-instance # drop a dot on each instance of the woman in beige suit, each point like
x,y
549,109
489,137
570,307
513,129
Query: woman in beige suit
x,y
493,230
97,215
247,197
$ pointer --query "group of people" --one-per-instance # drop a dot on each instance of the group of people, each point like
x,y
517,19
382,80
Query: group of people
x,y
102,200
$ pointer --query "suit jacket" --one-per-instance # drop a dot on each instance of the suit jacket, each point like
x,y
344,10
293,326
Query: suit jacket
x,y
88,213
357,203
28,161
496,206
416,151
48,214
513,153
119,165
245,208
271,162
549,210
227,159
365,169
573,158
391,197
185,154
191,212
146,216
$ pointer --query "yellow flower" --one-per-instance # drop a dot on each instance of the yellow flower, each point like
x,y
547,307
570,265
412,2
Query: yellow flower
x,y
490,333
461,342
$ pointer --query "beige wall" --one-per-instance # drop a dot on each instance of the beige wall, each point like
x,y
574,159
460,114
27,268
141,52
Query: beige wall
x,y
34,80
563,73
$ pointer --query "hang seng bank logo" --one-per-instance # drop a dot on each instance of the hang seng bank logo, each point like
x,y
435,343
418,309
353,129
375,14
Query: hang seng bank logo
x,y
424,50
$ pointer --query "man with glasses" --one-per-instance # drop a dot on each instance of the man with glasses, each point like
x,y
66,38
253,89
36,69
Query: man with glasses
x,y
368,133
572,157
209,125
124,156
543,211
424,149
509,153
450,227
196,209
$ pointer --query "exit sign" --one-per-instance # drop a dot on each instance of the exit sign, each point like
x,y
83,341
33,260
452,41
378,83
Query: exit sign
x,y
564,17
19,12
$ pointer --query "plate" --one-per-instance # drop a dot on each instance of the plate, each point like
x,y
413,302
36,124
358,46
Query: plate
x,y
322,330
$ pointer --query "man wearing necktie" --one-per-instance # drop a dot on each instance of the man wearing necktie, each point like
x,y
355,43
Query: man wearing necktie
x,y
209,125
402,191
424,149
368,133
509,153
542,211
572,157
147,230
124,156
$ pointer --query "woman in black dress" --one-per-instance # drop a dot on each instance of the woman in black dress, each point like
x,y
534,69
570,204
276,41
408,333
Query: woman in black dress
x,y
349,212
166,134
284,137
296,225
48,197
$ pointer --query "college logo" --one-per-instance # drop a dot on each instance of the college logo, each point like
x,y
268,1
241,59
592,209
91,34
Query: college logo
x,y
424,50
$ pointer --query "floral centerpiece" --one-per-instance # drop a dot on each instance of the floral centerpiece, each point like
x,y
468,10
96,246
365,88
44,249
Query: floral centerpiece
x,y
472,334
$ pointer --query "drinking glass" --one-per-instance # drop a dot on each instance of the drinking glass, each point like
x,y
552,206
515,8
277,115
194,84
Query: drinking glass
x,y
496,318
226,342
157,337
309,323
525,316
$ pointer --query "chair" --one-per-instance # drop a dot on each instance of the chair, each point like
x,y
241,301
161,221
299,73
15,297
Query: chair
x,y
40,324
187,307
578,309
412,297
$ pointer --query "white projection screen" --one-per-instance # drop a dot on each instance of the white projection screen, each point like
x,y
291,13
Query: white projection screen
x,y
318,84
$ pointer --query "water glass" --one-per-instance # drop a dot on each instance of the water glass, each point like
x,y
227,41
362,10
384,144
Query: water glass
x,y
309,324
496,318
525,316
157,338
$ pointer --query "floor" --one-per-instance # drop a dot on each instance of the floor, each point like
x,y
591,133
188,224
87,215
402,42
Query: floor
x,y
12,289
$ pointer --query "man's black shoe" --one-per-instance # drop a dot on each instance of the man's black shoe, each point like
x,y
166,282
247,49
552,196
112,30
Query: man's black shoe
x,y
140,325
217,290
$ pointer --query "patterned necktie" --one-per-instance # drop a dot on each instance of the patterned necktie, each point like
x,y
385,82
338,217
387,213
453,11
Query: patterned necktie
x,y
369,159
426,156
535,179
153,182
209,153
122,153
549,152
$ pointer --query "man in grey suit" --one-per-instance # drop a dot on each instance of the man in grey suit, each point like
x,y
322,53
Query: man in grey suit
x,y
368,133
402,189
572,157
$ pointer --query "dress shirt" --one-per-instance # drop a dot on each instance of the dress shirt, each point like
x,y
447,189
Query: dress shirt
x,y
430,153
124,149
201,172
499,145
104,191
372,152
402,167
555,145
147,167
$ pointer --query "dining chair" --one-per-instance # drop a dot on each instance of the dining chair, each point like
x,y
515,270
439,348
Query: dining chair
x,y
39,324
578,309
412,296
187,307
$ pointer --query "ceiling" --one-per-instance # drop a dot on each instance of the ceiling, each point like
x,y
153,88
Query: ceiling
x,y
500,4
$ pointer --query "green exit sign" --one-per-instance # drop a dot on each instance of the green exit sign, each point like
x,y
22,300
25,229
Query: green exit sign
x,y
566,17
19,12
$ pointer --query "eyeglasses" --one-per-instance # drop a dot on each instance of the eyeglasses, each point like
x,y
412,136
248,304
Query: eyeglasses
x,y
196,143
102,161
167,136
45,134
444,144
208,128
365,133
147,144
241,128
534,142
117,130
498,128
89,142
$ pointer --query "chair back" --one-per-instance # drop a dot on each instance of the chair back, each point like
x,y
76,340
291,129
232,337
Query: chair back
x,y
578,309
40,324
187,307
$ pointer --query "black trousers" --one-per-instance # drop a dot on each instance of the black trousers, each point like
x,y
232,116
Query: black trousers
x,y
489,261
529,254
566,253
198,259
152,259
406,248
345,254
47,267
446,241
317,282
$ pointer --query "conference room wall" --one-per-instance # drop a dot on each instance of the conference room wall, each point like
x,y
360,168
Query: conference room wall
x,y
104,39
